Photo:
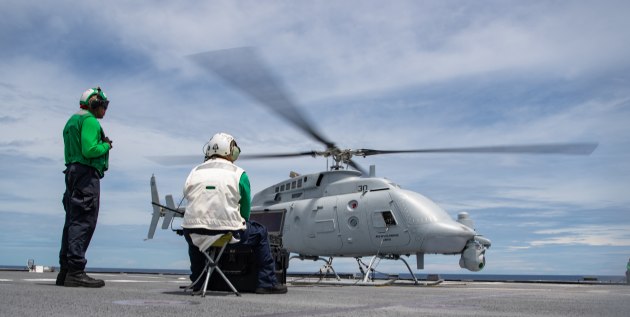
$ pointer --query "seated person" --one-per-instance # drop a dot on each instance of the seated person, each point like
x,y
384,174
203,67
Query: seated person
x,y
218,194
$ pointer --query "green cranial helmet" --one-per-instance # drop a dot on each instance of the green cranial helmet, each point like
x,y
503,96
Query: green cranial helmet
x,y
85,97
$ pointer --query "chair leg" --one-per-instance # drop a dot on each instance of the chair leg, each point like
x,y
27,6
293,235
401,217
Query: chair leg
x,y
191,286
210,265
205,283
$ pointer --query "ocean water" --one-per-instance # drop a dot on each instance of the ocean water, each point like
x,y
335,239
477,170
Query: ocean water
x,y
613,279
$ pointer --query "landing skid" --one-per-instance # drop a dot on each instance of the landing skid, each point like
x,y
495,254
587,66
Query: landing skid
x,y
341,282
367,274
370,268
324,270
299,281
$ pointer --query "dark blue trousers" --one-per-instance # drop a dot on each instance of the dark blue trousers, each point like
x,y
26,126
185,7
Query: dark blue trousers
x,y
254,236
81,202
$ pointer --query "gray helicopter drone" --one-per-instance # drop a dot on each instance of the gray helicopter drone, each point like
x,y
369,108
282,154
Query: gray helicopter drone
x,y
342,212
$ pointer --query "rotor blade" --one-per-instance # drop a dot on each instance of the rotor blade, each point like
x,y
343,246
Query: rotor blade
x,y
192,160
357,167
174,160
242,68
279,155
558,148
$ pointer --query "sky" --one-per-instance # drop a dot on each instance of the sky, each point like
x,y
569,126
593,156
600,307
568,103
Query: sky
x,y
367,74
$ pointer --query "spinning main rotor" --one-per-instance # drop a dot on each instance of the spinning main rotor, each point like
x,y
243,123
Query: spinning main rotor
x,y
243,69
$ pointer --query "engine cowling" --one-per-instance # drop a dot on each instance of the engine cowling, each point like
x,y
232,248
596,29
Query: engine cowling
x,y
474,256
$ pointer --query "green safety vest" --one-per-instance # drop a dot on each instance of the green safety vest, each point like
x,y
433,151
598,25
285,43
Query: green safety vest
x,y
83,142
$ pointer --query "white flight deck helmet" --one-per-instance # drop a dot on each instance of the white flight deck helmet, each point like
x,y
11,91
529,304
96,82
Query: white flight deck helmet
x,y
222,144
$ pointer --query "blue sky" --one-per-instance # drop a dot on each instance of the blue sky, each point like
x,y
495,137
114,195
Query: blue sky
x,y
369,74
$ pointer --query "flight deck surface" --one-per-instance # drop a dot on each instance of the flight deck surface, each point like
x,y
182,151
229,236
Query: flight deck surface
x,y
35,294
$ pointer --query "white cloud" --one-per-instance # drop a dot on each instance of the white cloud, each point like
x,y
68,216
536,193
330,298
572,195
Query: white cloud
x,y
518,248
593,235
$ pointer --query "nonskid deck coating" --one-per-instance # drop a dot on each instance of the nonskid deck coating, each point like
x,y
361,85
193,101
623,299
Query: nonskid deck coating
x,y
34,294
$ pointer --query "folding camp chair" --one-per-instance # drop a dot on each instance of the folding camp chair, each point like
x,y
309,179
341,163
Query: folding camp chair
x,y
208,245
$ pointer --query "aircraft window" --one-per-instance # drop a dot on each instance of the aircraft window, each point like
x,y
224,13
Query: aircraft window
x,y
299,184
388,217
282,187
296,195
382,219
288,186
305,179
277,189
319,180
278,197
293,184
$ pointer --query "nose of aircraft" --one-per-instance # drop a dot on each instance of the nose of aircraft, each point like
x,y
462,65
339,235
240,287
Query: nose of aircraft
x,y
446,237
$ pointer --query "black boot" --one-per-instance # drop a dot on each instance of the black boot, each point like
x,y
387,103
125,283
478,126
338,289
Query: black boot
x,y
61,277
80,279
276,289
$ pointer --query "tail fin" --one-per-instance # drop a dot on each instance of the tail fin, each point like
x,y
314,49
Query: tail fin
x,y
156,209
168,211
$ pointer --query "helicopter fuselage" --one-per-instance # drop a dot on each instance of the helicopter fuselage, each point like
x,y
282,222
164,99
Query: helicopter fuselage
x,y
339,213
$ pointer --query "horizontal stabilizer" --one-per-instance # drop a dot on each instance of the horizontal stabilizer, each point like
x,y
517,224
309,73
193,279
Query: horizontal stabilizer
x,y
168,215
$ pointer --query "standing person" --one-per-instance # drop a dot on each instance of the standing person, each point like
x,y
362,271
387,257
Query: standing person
x,y
628,272
86,151
218,194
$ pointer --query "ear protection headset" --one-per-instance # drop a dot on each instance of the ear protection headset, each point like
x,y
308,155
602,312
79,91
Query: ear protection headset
x,y
236,151
101,99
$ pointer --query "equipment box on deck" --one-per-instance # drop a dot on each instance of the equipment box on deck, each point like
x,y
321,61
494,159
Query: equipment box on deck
x,y
239,266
